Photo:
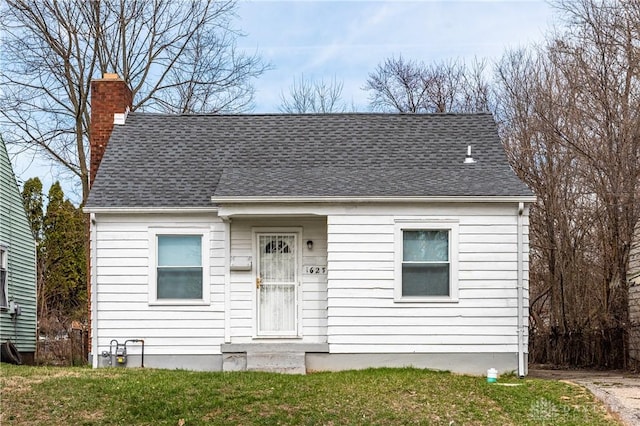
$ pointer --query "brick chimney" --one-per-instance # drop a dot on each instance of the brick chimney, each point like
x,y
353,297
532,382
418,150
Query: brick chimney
x,y
111,100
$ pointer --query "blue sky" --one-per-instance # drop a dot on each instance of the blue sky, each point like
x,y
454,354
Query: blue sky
x,y
347,39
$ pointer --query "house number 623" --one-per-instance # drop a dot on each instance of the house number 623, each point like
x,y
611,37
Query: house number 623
x,y
315,270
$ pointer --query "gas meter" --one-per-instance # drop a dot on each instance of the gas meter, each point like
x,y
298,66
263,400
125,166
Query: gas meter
x,y
118,352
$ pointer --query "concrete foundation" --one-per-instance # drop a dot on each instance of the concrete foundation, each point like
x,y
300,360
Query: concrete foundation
x,y
288,358
464,363
170,362
274,358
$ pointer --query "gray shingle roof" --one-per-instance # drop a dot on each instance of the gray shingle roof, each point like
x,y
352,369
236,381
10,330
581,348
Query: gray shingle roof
x,y
157,160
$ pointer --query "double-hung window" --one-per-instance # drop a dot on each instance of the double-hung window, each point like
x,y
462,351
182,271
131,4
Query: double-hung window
x,y
179,267
426,261
4,276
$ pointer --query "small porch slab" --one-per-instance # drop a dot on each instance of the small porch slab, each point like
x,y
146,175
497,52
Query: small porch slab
x,y
287,358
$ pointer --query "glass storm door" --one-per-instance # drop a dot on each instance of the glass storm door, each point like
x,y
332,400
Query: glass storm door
x,y
276,282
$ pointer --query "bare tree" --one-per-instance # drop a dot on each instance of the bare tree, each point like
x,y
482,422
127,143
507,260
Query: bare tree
x,y
176,57
307,96
412,87
570,115
528,110
398,85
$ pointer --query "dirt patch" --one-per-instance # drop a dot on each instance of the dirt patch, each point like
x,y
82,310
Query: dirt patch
x,y
23,384
90,415
17,384
544,372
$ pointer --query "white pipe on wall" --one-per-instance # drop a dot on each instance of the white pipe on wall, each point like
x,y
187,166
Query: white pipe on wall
x,y
227,279
520,287
93,241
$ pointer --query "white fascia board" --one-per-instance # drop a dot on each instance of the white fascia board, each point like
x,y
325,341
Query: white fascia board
x,y
150,210
281,209
448,199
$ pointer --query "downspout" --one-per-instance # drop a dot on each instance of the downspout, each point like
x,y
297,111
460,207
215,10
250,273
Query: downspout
x,y
93,238
520,287
227,279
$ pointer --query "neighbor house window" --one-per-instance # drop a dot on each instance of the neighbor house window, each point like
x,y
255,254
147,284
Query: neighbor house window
x,y
4,272
179,272
426,261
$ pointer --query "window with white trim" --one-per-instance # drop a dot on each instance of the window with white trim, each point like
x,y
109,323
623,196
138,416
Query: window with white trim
x,y
179,272
4,277
426,267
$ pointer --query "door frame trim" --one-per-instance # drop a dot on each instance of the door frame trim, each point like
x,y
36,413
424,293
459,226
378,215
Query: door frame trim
x,y
297,230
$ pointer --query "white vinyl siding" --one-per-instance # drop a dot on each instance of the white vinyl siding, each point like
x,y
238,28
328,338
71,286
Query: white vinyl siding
x,y
123,284
363,313
352,307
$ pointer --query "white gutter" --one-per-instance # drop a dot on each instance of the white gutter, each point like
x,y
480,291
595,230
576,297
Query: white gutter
x,y
150,210
452,199
520,287
227,279
93,241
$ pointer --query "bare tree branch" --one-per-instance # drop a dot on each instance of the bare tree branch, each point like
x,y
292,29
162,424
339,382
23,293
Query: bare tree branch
x,y
176,57
307,96
412,87
570,119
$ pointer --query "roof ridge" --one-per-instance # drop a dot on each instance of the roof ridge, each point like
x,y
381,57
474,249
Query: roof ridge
x,y
332,114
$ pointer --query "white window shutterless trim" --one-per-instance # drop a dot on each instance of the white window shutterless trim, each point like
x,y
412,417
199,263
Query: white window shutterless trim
x,y
402,261
154,265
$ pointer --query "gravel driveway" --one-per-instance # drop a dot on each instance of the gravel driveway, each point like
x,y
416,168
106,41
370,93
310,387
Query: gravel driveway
x,y
620,390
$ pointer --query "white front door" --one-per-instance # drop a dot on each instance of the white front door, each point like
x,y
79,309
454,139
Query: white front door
x,y
277,284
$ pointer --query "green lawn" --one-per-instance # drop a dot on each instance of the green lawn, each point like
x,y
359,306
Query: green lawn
x,y
82,396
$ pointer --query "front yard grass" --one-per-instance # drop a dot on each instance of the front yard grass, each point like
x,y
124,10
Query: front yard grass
x,y
82,396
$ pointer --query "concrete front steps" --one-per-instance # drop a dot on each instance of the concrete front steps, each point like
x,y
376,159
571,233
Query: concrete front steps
x,y
287,358
277,362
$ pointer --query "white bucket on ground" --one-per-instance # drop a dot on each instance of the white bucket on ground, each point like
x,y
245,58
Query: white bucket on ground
x,y
492,375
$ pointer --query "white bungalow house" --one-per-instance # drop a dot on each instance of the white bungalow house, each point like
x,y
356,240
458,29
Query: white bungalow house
x,y
305,242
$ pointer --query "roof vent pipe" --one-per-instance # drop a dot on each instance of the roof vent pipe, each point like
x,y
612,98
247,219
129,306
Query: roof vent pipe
x,y
469,159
